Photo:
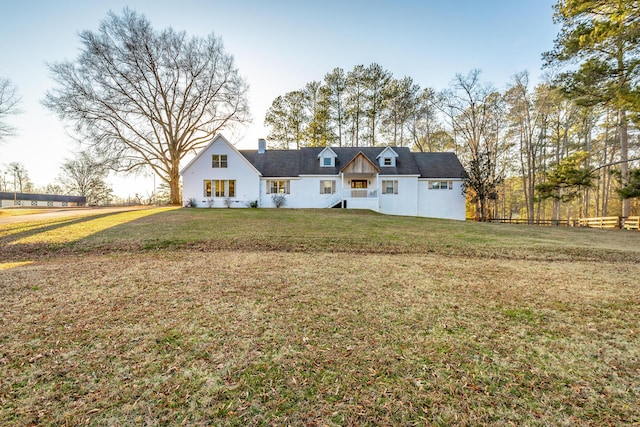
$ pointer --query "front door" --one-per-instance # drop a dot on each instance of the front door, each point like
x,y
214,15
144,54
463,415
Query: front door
x,y
358,183
359,188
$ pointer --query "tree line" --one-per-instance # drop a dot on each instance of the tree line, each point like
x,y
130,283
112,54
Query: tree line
x,y
567,146
141,98
365,106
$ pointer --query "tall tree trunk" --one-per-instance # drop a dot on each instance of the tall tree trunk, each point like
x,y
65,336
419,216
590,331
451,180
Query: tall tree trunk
x,y
624,157
175,195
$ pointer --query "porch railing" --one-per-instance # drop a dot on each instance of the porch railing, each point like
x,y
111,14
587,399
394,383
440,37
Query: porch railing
x,y
361,193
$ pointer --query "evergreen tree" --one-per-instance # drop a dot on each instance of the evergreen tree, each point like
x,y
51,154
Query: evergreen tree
x,y
336,83
286,119
603,38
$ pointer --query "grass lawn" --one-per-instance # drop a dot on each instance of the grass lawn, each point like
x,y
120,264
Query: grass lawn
x,y
7,212
328,317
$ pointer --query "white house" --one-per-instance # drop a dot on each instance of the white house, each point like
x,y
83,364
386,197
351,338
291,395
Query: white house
x,y
391,180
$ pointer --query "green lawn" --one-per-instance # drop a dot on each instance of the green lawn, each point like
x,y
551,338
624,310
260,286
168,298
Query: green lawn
x,y
329,317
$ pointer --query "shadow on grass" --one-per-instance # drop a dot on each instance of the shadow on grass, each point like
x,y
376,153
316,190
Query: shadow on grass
x,y
312,231
49,226
20,240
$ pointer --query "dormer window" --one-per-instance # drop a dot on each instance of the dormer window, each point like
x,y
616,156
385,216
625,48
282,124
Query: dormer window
x,y
387,158
327,158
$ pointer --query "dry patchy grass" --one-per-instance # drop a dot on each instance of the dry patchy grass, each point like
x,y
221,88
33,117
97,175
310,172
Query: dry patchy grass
x,y
322,330
7,212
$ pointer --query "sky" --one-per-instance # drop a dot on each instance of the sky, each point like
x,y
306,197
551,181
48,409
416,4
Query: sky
x,y
278,46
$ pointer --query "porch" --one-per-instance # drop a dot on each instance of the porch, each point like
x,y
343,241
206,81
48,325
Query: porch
x,y
360,184
360,198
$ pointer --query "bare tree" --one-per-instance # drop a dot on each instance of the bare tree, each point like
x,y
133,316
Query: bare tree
x,y
526,116
18,173
425,127
9,101
146,97
470,107
86,176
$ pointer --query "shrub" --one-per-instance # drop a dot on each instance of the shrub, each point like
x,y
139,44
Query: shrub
x,y
227,202
191,203
210,202
278,200
253,204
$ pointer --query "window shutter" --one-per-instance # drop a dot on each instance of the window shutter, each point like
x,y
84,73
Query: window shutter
x,y
286,186
333,186
321,187
395,187
450,185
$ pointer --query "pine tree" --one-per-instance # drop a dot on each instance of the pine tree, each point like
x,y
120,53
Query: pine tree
x,y
603,38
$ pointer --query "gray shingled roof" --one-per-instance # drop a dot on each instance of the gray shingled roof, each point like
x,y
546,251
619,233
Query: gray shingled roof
x,y
290,163
439,165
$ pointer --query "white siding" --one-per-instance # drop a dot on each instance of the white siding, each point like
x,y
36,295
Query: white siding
x,y
447,204
414,198
304,192
403,203
238,169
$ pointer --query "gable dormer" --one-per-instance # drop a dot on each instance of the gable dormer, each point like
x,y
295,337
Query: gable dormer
x,y
387,158
360,164
327,158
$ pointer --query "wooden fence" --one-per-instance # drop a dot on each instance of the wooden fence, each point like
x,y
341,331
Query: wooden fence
x,y
543,222
600,222
631,223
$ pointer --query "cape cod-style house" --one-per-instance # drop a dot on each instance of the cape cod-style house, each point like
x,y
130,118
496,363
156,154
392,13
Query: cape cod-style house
x,y
390,180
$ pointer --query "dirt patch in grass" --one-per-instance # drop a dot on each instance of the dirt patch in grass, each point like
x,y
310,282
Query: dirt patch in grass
x,y
262,337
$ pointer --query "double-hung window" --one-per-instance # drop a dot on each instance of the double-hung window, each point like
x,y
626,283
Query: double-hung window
x,y
390,186
278,186
219,188
218,160
328,186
